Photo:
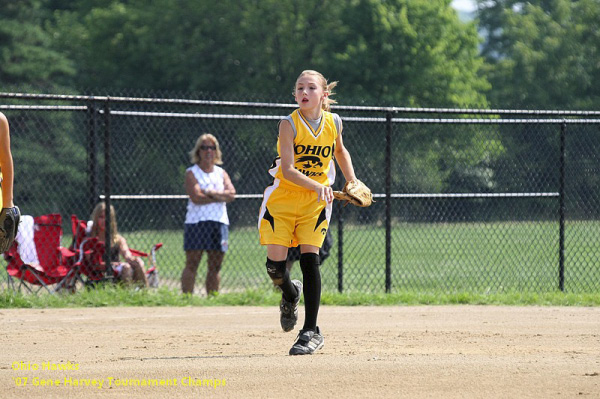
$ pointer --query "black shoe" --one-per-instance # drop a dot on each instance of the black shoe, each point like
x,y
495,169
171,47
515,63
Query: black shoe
x,y
308,342
289,310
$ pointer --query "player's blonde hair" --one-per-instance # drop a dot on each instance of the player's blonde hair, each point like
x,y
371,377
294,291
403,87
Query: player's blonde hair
x,y
101,207
195,153
327,87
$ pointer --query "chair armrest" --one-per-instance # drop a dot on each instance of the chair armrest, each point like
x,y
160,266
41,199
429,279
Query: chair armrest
x,y
66,252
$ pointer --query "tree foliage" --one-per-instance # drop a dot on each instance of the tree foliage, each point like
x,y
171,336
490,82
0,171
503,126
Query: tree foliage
x,y
536,54
27,56
542,53
382,51
392,51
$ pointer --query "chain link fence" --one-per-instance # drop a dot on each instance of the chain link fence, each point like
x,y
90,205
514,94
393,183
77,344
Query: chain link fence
x,y
480,201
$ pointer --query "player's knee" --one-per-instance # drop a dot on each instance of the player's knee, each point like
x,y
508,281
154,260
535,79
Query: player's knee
x,y
309,262
276,270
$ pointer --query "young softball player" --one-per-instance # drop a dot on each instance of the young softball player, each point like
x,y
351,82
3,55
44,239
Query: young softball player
x,y
296,207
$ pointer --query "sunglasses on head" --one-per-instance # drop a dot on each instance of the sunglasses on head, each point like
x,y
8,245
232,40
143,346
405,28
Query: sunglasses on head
x,y
208,147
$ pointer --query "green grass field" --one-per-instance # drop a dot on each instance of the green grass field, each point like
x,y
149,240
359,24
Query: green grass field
x,y
115,296
482,263
435,258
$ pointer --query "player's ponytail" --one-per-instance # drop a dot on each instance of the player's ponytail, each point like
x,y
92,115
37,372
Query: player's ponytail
x,y
328,100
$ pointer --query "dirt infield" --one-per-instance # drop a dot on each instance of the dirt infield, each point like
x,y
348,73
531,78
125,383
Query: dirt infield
x,y
392,352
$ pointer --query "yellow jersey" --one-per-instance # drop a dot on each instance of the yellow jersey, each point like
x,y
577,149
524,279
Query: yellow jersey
x,y
313,150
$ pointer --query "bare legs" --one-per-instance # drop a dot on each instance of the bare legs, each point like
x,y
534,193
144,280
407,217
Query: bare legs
x,y
134,272
213,275
188,276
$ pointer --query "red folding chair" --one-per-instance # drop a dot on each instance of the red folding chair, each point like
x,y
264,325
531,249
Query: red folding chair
x,y
90,262
37,258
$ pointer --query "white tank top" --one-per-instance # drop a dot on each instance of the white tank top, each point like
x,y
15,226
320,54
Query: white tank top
x,y
215,211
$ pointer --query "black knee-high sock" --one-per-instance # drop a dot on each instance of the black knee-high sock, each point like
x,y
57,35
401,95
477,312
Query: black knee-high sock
x,y
309,263
288,288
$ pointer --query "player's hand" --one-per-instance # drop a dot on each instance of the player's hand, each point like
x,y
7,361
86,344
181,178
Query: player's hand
x,y
324,193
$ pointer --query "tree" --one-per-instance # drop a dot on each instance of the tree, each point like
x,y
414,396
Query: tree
x,y
545,54
542,54
26,53
384,51
412,53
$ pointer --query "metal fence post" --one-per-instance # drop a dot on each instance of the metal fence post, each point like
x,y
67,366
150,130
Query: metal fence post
x,y
340,218
108,227
561,210
92,159
388,203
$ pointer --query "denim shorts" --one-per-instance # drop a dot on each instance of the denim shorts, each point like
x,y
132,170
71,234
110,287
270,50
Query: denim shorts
x,y
206,235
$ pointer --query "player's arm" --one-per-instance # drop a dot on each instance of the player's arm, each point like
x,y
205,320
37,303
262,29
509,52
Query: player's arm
x,y
228,193
193,190
343,158
286,147
124,249
6,163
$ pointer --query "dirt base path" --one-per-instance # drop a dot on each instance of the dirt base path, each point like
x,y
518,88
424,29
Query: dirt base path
x,y
391,352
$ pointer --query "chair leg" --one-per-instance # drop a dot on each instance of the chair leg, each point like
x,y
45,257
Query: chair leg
x,y
41,282
10,282
68,283
23,285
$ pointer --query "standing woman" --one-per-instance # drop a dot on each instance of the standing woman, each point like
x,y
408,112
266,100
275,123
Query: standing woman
x,y
206,222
